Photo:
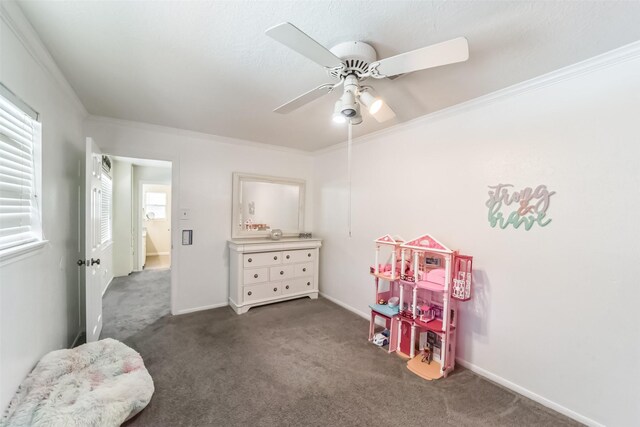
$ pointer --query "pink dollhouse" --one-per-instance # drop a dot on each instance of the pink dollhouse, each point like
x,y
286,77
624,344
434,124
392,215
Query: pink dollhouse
x,y
417,295
386,279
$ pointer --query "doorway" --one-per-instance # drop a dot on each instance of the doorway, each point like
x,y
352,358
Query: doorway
x,y
155,210
140,292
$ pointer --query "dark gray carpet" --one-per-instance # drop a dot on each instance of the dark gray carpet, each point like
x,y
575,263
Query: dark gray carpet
x,y
305,363
134,302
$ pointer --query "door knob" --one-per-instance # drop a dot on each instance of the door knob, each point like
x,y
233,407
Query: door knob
x,y
82,262
95,261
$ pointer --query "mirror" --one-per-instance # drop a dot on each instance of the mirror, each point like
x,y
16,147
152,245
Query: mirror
x,y
262,203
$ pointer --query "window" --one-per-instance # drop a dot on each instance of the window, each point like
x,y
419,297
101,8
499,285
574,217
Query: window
x,y
106,207
20,216
155,205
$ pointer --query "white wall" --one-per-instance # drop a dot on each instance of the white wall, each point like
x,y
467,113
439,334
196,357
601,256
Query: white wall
x,y
553,310
39,294
201,181
122,230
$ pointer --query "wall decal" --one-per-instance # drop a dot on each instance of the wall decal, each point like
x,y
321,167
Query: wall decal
x,y
526,207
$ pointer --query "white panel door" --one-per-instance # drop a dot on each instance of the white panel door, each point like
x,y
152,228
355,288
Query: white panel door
x,y
93,244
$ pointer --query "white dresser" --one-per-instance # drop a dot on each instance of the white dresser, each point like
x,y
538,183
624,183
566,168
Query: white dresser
x,y
263,271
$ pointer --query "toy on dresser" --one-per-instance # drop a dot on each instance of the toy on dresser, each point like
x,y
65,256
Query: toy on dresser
x,y
417,292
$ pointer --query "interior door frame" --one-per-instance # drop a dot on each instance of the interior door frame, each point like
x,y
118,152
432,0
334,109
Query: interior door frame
x,y
140,207
136,153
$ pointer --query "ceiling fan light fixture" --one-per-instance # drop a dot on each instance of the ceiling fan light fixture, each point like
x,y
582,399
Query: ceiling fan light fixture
x,y
357,118
337,116
372,102
349,105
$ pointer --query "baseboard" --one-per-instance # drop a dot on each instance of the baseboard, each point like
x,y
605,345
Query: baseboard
x,y
202,308
346,306
157,253
104,291
75,341
528,393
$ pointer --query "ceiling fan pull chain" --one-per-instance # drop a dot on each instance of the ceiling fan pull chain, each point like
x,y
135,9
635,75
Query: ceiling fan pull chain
x,y
350,126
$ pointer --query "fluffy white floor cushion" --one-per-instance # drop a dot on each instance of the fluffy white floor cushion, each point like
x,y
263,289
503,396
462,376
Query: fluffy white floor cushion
x,y
97,384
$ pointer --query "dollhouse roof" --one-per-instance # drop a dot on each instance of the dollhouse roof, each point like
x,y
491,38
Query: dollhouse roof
x,y
427,243
387,239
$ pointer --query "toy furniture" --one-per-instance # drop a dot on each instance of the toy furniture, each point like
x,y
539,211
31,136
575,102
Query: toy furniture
x,y
428,280
265,271
386,276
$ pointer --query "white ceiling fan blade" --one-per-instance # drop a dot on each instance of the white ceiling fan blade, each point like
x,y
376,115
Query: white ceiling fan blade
x,y
449,52
384,113
292,37
305,98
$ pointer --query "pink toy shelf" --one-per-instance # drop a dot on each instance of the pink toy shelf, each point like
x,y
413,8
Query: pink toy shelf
x,y
386,277
417,295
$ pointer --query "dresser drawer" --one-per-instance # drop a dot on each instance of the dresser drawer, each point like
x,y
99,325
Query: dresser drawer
x,y
281,272
256,275
298,285
301,270
289,257
262,291
262,259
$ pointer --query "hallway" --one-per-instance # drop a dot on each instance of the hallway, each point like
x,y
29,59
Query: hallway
x,y
134,302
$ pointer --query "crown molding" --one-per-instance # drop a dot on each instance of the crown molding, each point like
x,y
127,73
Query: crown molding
x,y
614,57
12,15
193,134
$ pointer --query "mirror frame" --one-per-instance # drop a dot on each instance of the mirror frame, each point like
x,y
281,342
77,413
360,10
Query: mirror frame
x,y
238,178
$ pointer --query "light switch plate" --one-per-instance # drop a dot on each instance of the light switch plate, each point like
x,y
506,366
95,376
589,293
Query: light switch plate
x,y
187,237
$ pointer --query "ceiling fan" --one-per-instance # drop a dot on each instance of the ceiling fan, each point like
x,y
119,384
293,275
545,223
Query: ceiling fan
x,y
353,62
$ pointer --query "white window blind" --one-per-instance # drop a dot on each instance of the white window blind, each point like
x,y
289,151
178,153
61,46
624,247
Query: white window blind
x,y
20,221
106,207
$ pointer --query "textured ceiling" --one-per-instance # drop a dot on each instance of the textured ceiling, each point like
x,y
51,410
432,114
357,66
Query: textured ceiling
x,y
208,67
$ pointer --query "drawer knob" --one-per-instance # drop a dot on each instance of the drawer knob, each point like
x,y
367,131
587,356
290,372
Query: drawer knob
x,y
308,283
309,254
275,258
275,289
286,287
304,269
249,293
281,272
288,256
249,260
255,276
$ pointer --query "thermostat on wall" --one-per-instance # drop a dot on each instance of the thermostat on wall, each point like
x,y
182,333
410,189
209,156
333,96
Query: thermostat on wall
x,y
187,237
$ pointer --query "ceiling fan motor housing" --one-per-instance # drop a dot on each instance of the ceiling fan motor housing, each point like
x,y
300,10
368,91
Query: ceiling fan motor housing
x,y
356,56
